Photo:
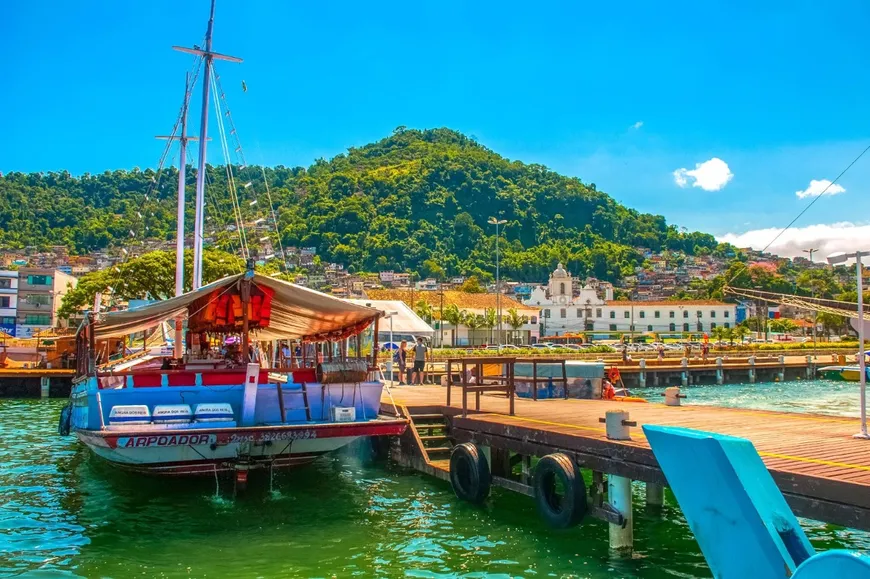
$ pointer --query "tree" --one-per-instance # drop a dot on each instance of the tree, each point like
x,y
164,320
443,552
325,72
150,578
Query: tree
x,y
489,321
453,316
424,310
782,325
473,322
740,331
832,323
150,276
718,333
472,286
515,321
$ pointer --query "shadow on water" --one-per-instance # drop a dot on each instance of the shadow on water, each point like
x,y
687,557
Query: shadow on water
x,y
67,513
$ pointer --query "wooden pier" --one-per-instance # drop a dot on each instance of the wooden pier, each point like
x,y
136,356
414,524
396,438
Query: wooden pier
x,y
35,382
822,471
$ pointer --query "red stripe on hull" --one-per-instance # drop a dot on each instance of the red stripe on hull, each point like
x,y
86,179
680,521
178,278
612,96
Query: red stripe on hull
x,y
210,467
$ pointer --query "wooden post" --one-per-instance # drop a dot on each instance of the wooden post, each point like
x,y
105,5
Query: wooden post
x,y
375,344
464,388
281,403
479,383
245,290
565,379
449,379
511,386
92,345
534,379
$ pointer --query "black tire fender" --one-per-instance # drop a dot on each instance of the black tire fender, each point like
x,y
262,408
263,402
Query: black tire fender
x,y
565,510
469,473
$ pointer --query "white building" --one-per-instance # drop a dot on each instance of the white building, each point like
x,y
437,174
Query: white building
x,y
8,301
564,312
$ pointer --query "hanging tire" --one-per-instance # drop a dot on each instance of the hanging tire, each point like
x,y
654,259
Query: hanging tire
x,y
469,473
560,491
63,424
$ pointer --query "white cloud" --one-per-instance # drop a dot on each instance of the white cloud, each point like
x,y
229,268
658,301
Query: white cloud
x,y
827,238
821,187
710,175
637,125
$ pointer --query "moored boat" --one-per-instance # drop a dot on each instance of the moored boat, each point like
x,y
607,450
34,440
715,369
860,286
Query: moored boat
x,y
204,414
843,373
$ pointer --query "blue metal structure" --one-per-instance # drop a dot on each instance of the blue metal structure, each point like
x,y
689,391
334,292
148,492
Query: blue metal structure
x,y
738,515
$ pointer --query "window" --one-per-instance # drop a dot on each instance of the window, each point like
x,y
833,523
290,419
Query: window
x,y
700,327
563,313
686,327
5,283
625,315
7,321
534,320
642,314
39,279
612,327
37,319
4,302
712,313
546,313
672,314
562,288
38,299
712,325
657,314
631,328
597,312
672,327
700,313
649,328
612,315
727,325
726,314
685,313
579,312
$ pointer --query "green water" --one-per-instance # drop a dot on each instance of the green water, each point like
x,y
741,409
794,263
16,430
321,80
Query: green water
x,y
64,514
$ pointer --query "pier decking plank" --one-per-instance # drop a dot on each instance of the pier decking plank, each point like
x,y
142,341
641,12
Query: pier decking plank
x,y
823,472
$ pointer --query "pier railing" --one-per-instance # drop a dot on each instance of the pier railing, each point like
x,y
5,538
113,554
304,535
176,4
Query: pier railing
x,y
478,375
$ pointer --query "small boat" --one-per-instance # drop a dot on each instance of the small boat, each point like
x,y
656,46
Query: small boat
x,y
843,373
203,414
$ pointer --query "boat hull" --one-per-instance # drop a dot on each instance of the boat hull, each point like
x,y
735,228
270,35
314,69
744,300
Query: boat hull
x,y
842,373
187,452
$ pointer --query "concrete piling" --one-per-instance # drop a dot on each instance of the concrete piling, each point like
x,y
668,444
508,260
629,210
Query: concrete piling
x,y
720,372
44,387
617,427
684,376
655,495
752,369
641,377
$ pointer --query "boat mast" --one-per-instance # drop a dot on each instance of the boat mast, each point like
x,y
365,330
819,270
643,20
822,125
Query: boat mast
x,y
208,57
179,235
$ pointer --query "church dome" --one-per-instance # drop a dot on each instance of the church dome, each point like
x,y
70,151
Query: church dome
x,y
560,271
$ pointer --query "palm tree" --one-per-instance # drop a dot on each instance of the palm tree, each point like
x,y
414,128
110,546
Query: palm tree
x,y
489,321
453,316
718,333
424,310
739,332
473,322
515,321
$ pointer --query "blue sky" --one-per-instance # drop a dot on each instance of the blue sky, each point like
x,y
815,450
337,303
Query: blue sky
x,y
621,94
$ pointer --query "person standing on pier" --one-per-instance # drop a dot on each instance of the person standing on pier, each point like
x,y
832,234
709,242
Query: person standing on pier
x,y
420,350
402,361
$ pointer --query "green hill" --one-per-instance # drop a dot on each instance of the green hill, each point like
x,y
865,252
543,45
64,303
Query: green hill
x,y
416,200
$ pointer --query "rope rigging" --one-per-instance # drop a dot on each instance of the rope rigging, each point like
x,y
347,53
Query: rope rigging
x,y
828,306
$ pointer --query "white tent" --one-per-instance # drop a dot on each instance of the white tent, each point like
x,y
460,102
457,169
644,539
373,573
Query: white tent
x,y
405,321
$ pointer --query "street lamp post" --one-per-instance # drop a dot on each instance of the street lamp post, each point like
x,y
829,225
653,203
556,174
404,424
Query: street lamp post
x,y
811,251
835,259
497,222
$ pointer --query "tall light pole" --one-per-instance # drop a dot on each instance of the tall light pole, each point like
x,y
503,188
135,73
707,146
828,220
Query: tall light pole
x,y
835,259
497,222
811,251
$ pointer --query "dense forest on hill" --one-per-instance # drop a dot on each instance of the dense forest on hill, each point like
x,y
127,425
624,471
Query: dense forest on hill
x,y
415,201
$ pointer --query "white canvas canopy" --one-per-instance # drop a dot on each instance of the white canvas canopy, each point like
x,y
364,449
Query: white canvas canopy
x,y
296,312
405,320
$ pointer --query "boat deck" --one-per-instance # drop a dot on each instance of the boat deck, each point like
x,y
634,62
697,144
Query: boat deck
x,y
823,472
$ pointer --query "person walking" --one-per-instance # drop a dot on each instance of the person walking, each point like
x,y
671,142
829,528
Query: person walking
x,y
402,361
420,350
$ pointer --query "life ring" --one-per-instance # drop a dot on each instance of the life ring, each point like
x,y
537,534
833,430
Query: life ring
x,y
63,424
560,511
469,473
613,374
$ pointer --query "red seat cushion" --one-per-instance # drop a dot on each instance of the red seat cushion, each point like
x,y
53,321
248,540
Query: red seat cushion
x,y
146,380
182,379
222,378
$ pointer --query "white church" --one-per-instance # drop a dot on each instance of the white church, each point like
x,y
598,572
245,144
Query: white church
x,y
563,312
